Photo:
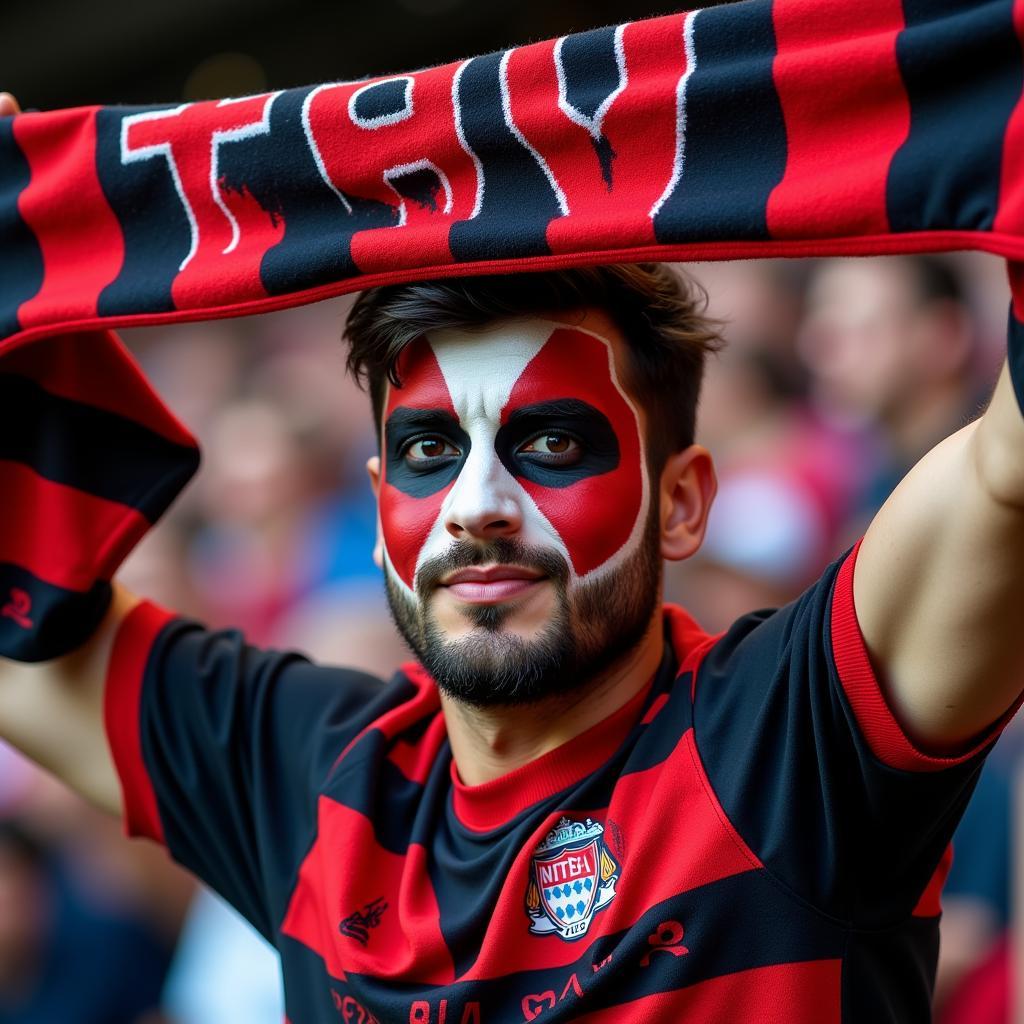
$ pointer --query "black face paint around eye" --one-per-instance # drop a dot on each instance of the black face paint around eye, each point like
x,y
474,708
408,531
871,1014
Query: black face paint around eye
x,y
579,420
421,478
566,450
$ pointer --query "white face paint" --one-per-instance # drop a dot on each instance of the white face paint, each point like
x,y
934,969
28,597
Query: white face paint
x,y
484,400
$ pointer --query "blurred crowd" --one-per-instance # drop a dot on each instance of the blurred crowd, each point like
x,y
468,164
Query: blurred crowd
x,y
836,377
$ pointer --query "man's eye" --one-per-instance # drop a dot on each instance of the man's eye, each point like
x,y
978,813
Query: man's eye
x,y
554,448
427,448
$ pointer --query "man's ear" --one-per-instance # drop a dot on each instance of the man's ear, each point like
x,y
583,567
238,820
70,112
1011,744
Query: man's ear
x,y
687,488
373,469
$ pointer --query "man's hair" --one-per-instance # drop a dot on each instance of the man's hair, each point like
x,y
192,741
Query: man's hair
x,y
658,310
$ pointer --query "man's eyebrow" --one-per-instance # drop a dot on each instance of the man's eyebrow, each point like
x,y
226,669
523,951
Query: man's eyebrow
x,y
404,418
557,408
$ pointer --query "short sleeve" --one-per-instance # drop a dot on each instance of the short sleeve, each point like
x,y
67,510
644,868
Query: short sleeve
x,y
814,770
221,750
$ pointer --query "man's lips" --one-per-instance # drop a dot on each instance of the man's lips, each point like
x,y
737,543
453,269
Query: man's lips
x,y
491,584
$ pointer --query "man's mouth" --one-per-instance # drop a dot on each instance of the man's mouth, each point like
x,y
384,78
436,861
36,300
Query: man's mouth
x,y
491,584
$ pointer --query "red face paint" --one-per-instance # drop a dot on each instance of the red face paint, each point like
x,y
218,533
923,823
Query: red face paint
x,y
407,520
490,393
594,516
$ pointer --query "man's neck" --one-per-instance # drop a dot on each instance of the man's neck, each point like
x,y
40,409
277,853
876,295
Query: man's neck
x,y
490,742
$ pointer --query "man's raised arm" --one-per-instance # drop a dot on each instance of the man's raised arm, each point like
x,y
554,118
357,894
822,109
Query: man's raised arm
x,y
939,579
53,711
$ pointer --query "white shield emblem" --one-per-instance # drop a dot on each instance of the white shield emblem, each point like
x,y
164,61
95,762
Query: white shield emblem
x,y
572,876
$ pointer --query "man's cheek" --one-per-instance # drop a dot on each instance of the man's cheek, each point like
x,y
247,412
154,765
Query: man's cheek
x,y
406,523
595,516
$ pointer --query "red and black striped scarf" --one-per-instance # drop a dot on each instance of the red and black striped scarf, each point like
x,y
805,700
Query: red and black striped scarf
x,y
760,128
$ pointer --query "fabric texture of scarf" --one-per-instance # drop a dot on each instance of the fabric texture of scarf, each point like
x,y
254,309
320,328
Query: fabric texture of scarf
x,y
758,128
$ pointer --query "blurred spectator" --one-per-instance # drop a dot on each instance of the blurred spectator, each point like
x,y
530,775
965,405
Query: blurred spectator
x,y
786,476
135,880
282,517
254,501
65,958
757,376
224,971
892,352
345,624
972,985
976,967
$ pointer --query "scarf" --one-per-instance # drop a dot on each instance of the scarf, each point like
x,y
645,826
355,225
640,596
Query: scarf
x,y
758,128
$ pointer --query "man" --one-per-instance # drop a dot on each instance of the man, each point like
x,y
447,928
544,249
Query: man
x,y
577,805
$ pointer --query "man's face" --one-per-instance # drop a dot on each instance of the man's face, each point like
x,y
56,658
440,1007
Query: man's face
x,y
515,507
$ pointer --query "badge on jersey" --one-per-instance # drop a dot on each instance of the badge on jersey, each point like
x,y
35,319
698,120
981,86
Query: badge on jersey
x,y
572,877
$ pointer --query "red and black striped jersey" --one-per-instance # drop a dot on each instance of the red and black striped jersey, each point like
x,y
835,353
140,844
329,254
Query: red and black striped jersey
x,y
751,838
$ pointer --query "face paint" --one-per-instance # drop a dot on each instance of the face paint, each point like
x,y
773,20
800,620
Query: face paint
x,y
411,500
522,430
596,506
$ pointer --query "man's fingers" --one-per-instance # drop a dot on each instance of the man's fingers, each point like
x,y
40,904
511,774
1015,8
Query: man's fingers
x,y
8,105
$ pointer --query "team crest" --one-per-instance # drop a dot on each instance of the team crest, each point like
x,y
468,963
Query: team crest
x,y
572,876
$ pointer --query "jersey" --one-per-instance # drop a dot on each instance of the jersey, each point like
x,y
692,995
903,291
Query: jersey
x,y
751,838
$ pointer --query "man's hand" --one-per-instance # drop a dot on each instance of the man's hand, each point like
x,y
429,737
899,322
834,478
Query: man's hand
x,y
8,105
939,582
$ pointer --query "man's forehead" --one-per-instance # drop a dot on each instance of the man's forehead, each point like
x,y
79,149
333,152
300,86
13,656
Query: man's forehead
x,y
491,359
481,369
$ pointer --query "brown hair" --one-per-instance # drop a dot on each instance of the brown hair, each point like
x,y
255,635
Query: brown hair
x,y
659,311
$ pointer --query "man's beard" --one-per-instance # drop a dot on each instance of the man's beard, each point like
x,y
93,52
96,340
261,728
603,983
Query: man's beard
x,y
591,629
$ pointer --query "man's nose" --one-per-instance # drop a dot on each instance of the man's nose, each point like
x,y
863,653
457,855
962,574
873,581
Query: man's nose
x,y
485,502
